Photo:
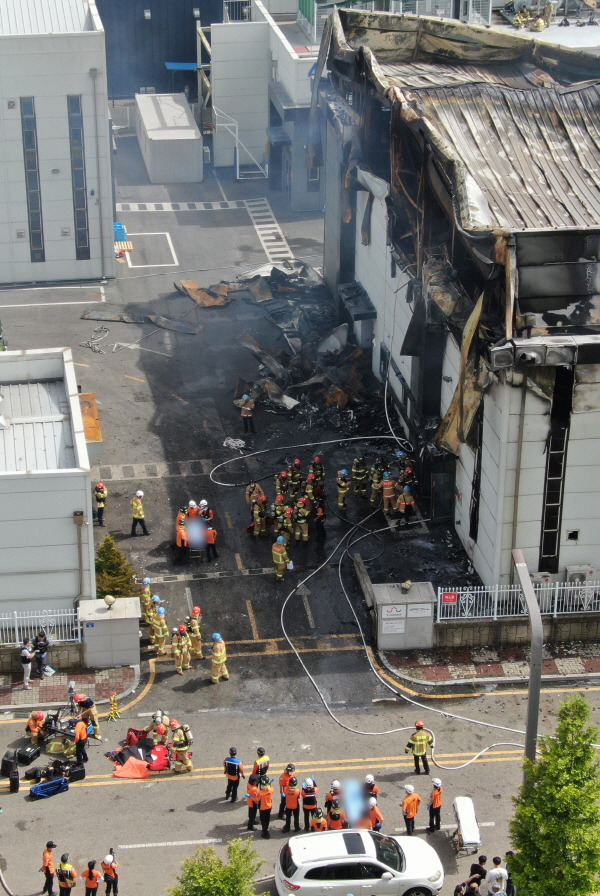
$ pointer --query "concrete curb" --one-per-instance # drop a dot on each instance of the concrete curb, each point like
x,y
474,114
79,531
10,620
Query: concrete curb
x,y
11,707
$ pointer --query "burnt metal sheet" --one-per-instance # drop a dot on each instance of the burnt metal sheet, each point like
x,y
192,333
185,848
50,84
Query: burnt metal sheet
x,y
463,407
158,320
562,279
552,248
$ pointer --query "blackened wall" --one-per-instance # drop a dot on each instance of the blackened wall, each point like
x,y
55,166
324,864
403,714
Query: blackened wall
x,y
137,49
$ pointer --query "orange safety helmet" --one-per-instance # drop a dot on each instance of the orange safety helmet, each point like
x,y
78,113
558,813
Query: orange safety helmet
x,y
197,611
160,729
173,724
283,474
79,698
182,629
38,716
419,724
279,499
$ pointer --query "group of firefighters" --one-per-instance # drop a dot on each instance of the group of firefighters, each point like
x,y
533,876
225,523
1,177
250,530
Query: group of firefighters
x,y
186,638
161,728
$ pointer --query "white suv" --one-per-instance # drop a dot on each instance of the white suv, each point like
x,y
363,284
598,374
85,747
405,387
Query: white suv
x,y
358,862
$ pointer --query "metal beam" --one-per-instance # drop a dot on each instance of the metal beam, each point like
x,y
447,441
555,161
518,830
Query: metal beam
x,y
535,663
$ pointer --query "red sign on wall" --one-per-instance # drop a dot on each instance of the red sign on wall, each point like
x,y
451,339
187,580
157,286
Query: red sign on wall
x,y
449,597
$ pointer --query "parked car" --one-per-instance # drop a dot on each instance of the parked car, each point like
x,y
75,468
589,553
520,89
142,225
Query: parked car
x,y
365,863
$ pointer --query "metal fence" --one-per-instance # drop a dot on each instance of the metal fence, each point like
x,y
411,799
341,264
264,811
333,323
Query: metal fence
x,y
555,599
59,625
237,11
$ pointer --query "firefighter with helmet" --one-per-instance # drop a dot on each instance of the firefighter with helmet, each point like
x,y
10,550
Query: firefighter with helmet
x,y
318,471
219,659
259,515
296,477
35,726
359,477
195,632
418,743
376,476
234,770
280,557
302,516
282,483
343,485
146,598
160,630
181,647
180,745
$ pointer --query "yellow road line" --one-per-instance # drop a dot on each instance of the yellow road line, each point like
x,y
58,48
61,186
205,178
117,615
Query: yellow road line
x,y
79,364
206,426
252,620
182,400
228,520
238,560
136,378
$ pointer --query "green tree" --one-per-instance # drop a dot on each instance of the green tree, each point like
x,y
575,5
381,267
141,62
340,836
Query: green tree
x,y
556,827
114,575
205,874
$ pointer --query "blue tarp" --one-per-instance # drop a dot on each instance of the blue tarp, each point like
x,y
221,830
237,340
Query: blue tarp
x,y
181,66
120,232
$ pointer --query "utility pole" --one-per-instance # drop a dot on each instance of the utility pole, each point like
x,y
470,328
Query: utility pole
x,y
535,662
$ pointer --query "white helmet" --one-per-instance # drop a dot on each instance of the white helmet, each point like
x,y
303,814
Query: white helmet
x,y
309,782
409,788
108,859
192,504
335,785
372,802
139,494
437,782
369,779
203,503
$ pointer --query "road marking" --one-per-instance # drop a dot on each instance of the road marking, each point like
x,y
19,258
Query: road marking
x,y
188,597
304,593
170,843
228,520
182,469
221,190
50,304
182,400
238,560
252,621
206,426
133,345
136,378
168,264
268,231
79,364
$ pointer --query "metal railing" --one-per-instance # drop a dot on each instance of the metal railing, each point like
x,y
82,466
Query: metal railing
x,y
311,16
237,11
59,625
497,601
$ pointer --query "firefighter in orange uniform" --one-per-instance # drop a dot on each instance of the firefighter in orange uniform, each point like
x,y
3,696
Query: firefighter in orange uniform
x,y
284,780
265,804
292,804
319,822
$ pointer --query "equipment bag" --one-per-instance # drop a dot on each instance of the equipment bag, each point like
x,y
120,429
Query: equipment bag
x,y
27,755
134,735
34,774
76,773
8,761
13,780
48,788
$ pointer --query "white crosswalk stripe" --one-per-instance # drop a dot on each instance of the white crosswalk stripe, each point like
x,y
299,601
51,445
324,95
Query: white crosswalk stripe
x,y
140,472
180,206
269,233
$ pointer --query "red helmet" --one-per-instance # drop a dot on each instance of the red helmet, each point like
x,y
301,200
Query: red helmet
x,y
196,611
297,462
409,470
182,628
263,499
79,698
283,474
288,511
38,716
99,485
279,499
311,477
419,724
317,459
174,724
160,729
302,501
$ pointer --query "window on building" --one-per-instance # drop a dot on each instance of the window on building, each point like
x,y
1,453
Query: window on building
x,y
314,180
78,179
32,179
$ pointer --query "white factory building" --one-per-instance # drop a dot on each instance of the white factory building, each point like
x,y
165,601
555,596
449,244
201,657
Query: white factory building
x,y
56,195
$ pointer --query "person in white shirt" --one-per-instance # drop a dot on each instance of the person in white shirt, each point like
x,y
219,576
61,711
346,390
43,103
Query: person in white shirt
x,y
496,877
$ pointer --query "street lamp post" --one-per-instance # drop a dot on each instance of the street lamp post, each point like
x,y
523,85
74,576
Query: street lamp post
x,y
535,662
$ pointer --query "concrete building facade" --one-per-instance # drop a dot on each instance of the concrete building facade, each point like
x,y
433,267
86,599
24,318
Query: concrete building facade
x,y
56,195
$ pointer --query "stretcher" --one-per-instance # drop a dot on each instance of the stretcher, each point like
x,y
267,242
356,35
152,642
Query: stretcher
x,y
48,788
466,837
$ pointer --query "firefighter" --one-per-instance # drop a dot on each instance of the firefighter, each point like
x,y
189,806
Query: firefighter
x,y
234,770
35,726
288,524
277,511
261,763
259,514
195,632
319,822
158,727
182,741
343,484
265,804
335,793
435,805
100,494
309,800
280,557
146,599
219,659
254,491
282,483
302,516
318,471
309,491
181,646
160,630
359,477
89,713
296,477
246,406
405,505
417,744
284,780
252,800
376,475
388,487
370,788
336,817
292,804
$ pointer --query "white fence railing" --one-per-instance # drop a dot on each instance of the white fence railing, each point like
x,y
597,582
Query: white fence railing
x,y
555,599
59,625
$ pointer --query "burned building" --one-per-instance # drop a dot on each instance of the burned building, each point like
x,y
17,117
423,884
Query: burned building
x,y
463,198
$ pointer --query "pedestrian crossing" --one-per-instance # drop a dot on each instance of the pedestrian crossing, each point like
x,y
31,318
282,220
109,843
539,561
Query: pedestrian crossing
x,y
141,472
180,206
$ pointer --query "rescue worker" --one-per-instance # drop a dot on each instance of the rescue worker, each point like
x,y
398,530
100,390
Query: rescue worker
x,y
417,744
182,741
374,813
370,788
192,509
158,727
309,491
359,477
181,539
302,516
292,804
81,741
282,483
100,494
156,602
405,505
211,543
538,24
111,875
410,807
522,17
376,475
319,822
234,770
435,805
65,873
309,800
89,714
277,512
280,557
320,520
219,659
160,630
261,763
318,470
139,518
246,406
181,647
336,817
48,868
284,780
254,491
335,793
206,512
288,524
146,598
296,478
195,632
388,487
252,800
35,727
91,878
259,515
265,804
343,484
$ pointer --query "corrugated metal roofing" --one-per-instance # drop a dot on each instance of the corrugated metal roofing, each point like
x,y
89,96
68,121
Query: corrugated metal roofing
x,y
38,433
40,17
420,75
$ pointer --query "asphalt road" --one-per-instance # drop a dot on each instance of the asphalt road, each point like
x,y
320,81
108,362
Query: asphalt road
x,y
166,405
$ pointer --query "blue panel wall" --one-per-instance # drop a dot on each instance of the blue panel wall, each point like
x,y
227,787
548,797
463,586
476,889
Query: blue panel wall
x,y
137,49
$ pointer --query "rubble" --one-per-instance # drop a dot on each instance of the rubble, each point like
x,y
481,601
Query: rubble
x,y
216,295
166,323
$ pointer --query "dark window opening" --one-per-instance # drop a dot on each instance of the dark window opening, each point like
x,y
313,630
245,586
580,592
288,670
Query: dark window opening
x,y
475,441
78,179
32,180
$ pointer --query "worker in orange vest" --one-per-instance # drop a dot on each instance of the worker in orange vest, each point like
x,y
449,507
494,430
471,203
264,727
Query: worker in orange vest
x,y
81,741
284,780
435,805
111,875
35,726
292,804
336,817
211,544
374,814
265,804
309,800
410,807
91,878
252,799
319,822
48,867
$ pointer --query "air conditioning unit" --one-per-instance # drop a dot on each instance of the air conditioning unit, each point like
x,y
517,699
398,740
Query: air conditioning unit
x,y
540,578
579,575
